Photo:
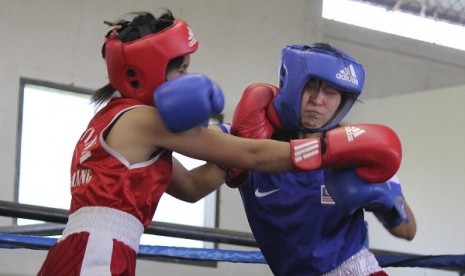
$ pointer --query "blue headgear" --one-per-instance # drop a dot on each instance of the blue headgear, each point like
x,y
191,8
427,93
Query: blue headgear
x,y
300,63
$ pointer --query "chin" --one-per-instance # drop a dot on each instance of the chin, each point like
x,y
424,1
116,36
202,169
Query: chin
x,y
311,125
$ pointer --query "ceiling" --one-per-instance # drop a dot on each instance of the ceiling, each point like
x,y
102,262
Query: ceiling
x,y
451,11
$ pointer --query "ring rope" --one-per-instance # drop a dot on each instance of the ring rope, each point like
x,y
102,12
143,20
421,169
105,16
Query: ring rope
x,y
448,262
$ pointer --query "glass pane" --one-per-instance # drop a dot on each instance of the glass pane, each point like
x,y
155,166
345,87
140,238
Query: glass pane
x,y
395,22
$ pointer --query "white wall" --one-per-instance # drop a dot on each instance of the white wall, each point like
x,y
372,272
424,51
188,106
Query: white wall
x,y
431,128
240,42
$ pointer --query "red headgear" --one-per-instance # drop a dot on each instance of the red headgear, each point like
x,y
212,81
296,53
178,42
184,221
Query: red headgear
x,y
137,67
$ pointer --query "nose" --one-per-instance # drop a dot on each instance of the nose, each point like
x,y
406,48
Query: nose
x,y
316,97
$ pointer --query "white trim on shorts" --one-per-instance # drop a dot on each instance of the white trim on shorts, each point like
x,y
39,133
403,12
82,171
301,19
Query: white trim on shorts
x,y
362,263
108,222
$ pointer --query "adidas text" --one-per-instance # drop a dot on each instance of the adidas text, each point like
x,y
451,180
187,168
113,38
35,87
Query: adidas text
x,y
353,132
348,74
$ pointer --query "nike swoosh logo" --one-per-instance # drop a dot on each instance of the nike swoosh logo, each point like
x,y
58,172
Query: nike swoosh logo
x,y
263,194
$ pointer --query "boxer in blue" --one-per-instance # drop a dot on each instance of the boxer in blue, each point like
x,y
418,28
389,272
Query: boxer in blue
x,y
312,222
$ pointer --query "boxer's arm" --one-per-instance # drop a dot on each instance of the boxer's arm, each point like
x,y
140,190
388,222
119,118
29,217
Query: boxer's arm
x,y
193,185
140,132
407,229
225,128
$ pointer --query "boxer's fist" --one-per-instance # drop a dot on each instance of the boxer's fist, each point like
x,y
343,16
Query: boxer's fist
x,y
188,101
373,150
250,118
351,193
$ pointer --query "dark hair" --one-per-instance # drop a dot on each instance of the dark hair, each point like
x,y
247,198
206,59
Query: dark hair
x,y
142,24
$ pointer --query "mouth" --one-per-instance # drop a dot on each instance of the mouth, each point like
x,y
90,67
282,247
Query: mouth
x,y
312,114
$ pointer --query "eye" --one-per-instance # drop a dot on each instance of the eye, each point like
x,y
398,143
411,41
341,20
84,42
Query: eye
x,y
312,85
331,90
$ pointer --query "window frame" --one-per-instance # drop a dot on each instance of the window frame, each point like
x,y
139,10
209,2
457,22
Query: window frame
x,y
24,82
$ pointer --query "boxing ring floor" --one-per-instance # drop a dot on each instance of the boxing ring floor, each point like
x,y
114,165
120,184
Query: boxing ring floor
x,y
35,237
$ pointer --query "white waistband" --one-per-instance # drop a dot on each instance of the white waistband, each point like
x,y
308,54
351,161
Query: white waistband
x,y
362,263
113,223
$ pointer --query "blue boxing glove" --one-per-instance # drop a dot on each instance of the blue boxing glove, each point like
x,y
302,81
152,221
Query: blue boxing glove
x,y
188,101
351,193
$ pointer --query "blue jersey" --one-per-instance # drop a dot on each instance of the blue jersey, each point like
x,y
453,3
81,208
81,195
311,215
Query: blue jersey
x,y
299,229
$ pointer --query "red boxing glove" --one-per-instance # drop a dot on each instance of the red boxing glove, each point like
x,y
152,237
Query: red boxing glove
x,y
373,150
255,118
250,118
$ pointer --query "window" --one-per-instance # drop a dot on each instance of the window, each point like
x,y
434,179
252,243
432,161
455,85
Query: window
x,y
404,21
52,118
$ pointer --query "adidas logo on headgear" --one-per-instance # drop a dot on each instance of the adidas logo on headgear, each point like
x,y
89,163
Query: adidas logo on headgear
x,y
348,74
192,39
